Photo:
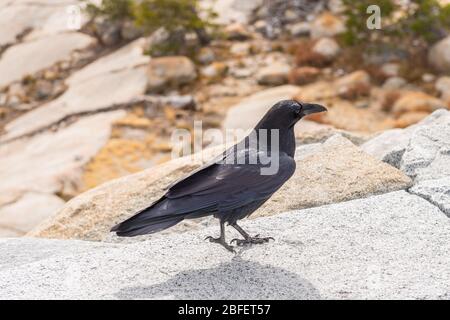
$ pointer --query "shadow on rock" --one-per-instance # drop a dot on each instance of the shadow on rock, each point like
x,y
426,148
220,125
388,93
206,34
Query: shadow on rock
x,y
237,279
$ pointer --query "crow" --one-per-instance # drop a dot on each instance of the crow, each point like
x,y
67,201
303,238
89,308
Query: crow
x,y
233,185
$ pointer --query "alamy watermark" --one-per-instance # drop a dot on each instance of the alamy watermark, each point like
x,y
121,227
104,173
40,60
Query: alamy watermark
x,y
74,17
257,147
374,20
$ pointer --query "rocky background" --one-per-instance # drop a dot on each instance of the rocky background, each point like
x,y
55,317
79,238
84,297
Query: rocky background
x,y
86,117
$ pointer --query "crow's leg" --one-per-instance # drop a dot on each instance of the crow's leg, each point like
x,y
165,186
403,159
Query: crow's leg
x,y
221,239
247,238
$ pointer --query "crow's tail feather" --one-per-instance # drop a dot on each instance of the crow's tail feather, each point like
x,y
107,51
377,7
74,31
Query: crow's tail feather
x,y
161,215
147,228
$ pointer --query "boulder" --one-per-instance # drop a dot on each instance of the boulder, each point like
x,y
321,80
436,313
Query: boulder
x,y
437,191
39,54
388,146
333,174
391,145
92,214
52,162
326,25
439,55
129,56
33,19
427,155
169,71
22,215
94,94
391,246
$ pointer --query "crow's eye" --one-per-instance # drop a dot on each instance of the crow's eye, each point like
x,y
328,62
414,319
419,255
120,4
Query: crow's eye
x,y
299,109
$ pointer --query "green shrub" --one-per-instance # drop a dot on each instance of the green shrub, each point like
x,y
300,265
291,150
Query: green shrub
x,y
178,17
424,20
114,10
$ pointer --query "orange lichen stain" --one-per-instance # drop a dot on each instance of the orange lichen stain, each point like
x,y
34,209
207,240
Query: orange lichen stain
x,y
134,121
117,158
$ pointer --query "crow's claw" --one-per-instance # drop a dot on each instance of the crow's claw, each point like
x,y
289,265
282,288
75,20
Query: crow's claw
x,y
251,240
222,242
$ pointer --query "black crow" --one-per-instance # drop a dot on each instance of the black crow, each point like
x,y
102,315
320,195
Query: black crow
x,y
235,184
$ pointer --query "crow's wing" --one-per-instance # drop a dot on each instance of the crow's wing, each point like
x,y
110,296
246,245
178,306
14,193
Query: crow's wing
x,y
223,181
218,187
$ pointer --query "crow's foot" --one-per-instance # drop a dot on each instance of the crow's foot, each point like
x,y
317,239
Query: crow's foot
x,y
251,240
221,241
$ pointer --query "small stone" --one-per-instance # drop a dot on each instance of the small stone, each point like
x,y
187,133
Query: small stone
x,y
14,102
50,75
336,6
214,70
428,77
353,85
260,26
394,83
327,48
236,31
44,89
241,73
390,69
290,15
206,55
416,101
273,75
240,49
3,99
17,90
407,119
303,75
327,25
443,86
300,29
166,71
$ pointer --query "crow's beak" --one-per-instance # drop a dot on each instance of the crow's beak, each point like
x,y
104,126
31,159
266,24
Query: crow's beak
x,y
309,108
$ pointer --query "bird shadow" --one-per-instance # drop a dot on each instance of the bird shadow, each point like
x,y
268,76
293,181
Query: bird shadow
x,y
236,279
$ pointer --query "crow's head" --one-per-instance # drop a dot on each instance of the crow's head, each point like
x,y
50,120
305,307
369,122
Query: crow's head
x,y
286,113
